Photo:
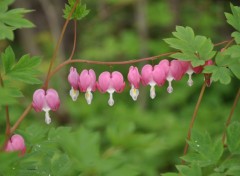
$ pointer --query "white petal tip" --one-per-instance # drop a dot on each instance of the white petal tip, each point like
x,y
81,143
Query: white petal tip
x,y
134,93
190,83
74,94
169,89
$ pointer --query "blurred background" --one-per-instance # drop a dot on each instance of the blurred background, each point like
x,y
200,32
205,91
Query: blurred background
x,y
147,136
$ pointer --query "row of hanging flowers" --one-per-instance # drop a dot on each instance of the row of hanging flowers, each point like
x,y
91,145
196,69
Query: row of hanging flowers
x,y
110,82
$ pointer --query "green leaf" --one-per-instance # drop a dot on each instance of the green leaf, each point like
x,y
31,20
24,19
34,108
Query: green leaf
x,y
189,171
24,70
4,5
233,51
236,36
233,137
11,20
196,49
82,145
230,166
205,151
170,174
61,165
8,59
6,97
221,74
222,59
233,19
80,12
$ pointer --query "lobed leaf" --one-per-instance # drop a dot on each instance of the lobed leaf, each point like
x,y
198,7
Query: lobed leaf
x,y
233,136
11,20
205,152
196,49
8,59
189,171
24,70
80,12
233,19
7,97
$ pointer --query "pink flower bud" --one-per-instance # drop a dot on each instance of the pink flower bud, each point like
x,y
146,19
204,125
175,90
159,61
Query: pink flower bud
x,y
46,101
87,83
16,143
73,80
153,76
134,78
111,82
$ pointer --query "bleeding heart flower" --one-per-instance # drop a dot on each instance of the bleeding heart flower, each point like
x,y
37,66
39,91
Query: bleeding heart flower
x,y
153,76
134,78
87,83
73,80
189,69
46,101
16,143
173,71
111,82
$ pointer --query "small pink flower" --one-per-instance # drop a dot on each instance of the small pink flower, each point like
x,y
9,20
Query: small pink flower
x,y
73,81
46,101
87,83
134,78
173,71
189,69
153,76
111,82
16,143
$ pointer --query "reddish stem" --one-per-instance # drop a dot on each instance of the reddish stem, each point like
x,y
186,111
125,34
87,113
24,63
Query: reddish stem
x,y
230,115
45,86
74,40
193,119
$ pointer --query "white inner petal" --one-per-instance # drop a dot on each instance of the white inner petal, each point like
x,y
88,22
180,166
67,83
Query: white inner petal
x,y
170,88
47,117
74,94
111,101
134,93
190,81
152,91
88,97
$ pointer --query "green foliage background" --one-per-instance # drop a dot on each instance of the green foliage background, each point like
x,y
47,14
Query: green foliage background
x,y
142,138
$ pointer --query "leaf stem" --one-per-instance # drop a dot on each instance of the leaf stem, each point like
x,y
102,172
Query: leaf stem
x,y
45,86
193,119
20,119
8,126
230,115
107,63
74,40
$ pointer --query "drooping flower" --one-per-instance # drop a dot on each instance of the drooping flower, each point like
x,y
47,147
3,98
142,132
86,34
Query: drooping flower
x,y
111,82
153,76
46,101
173,71
189,69
87,83
16,143
73,81
134,78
